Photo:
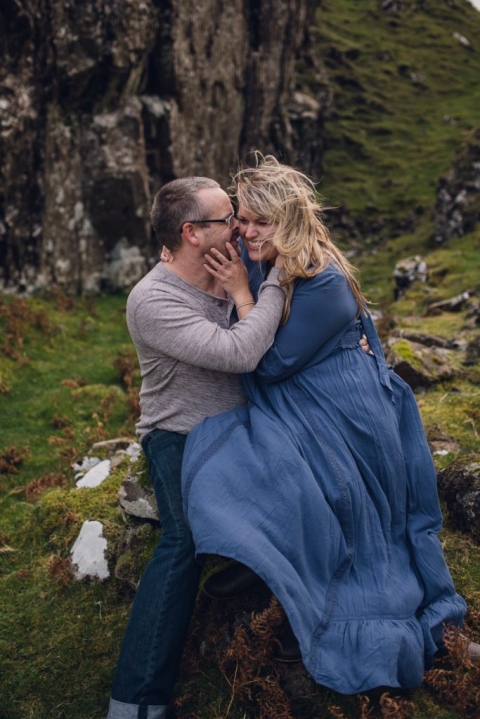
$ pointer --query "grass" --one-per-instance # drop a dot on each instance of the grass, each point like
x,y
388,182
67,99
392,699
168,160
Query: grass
x,y
391,136
455,407
63,393
53,629
78,348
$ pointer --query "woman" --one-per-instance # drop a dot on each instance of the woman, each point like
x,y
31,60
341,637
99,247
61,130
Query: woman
x,y
323,484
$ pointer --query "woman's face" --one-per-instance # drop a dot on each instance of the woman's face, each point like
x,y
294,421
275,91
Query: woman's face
x,y
256,233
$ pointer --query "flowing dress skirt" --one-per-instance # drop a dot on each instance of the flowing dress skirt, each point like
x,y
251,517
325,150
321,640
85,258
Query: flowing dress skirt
x,y
324,485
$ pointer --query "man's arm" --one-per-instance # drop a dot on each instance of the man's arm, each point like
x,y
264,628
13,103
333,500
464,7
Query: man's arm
x,y
166,324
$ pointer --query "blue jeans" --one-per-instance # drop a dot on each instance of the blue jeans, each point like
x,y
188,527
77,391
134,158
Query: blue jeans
x,y
156,632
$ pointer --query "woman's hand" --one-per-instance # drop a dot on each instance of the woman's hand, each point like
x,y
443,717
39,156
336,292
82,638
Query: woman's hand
x,y
166,255
232,275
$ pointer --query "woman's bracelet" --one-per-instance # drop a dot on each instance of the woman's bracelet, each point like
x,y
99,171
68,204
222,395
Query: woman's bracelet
x,y
245,304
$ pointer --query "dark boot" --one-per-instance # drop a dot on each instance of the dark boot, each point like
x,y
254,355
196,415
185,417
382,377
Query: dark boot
x,y
230,582
287,649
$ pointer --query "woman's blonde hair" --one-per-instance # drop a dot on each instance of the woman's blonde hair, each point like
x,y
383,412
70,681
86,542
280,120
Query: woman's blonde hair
x,y
287,198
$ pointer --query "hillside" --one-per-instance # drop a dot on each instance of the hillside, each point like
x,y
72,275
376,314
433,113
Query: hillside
x,y
403,90
405,93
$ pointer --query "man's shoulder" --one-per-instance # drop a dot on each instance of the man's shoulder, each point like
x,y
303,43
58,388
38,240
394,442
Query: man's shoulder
x,y
160,285
150,287
157,280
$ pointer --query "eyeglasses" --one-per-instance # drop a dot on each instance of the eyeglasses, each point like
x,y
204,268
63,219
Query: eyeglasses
x,y
227,220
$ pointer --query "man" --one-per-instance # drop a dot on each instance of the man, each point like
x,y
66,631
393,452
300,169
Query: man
x,y
191,355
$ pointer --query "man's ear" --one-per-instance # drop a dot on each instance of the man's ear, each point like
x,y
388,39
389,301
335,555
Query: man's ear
x,y
189,233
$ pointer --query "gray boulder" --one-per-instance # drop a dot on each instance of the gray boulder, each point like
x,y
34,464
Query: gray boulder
x,y
421,365
137,500
459,486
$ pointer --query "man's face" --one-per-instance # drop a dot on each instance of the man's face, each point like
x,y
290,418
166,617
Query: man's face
x,y
217,206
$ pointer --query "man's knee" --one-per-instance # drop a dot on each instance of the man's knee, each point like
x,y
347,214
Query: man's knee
x,y
177,535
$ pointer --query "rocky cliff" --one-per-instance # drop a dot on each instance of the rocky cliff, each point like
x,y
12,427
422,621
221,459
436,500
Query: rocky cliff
x,y
103,101
457,206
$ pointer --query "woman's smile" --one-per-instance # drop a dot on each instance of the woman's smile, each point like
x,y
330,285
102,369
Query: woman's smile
x,y
257,234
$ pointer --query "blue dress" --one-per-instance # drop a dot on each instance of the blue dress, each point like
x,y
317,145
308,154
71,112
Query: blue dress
x,y
324,485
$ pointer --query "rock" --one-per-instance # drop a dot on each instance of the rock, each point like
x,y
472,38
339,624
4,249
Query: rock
x,y
88,552
462,39
136,500
442,448
114,445
407,271
78,222
133,551
126,267
472,352
457,207
459,486
420,366
393,6
117,458
86,464
134,450
427,340
454,304
306,116
95,476
472,315
97,114
92,471
440,443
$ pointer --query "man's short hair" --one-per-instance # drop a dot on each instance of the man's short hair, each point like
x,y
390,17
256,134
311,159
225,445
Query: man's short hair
x,y
175,203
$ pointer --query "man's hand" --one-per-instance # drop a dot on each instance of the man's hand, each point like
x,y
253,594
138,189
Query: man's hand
x,y
365,346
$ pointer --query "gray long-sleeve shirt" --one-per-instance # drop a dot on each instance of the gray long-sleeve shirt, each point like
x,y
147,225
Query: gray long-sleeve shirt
x,y
190,353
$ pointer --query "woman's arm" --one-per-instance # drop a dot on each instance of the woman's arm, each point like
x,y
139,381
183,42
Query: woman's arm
x,y
322,309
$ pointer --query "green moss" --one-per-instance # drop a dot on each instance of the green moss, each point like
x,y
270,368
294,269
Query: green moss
x,y
140,469
445,324
61,513
134,551
405,351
